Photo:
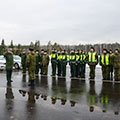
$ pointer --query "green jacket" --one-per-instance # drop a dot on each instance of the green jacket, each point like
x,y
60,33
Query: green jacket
x,y
37,58
9,60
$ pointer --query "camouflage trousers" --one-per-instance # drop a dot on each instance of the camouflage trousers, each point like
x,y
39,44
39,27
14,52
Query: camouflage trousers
x,y
31,74
45,69
117,74
105,72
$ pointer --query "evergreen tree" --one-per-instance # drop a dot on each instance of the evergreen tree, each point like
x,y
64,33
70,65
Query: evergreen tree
x,y
2,47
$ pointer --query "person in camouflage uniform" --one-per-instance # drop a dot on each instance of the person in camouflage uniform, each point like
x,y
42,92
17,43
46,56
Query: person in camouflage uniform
x,y
23,61
31,63
72,63
9,64
116,65
37,62
45,63
40,61
92,59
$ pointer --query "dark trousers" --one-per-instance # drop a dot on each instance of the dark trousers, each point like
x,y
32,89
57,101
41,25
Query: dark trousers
x,y
8,75
54,68
77,69
37,69
111,72
92,71
24,68
59,68
41,69
73,69
82,70
64,69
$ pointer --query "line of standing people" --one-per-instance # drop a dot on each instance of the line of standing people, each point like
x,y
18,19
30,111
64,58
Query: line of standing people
x,y
108,60
35,61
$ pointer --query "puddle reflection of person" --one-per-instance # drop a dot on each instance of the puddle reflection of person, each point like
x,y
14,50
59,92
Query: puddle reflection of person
x,y
24,81
105,96
92,97
9,97
32,96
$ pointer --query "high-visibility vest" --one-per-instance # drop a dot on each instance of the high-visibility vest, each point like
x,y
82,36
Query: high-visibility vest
x,y
105,59
53,56
59,57
82,57
92,57
63,57
68,57
72,57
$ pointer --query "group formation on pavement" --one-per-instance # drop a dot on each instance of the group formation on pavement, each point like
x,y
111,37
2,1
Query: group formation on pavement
x,y
38,61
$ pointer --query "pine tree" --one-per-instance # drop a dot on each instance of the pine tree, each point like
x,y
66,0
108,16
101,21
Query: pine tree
x,y
2,47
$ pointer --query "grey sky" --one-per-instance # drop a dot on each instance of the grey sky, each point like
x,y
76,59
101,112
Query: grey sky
x,y
61,21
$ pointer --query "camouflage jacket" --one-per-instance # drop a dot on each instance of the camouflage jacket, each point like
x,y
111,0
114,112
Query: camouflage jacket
x,y
31,61
116,60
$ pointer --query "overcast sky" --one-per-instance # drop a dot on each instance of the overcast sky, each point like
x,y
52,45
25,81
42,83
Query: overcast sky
x,y
61,21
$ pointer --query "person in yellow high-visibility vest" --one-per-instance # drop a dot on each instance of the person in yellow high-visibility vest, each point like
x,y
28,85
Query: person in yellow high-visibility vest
x,y
82,60
59,65
105,95
105,62
53,62
63,63
92,98
77,53
92,59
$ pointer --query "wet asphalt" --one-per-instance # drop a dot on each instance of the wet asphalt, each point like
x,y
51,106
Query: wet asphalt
x,y
55,98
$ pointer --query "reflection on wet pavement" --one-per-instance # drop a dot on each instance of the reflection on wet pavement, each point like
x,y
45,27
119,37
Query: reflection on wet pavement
x,y
59,98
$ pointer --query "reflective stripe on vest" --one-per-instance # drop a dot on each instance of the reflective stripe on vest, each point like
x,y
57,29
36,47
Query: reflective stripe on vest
x,y
68,57
105,59
77,57
63,57
92,57
104,100
82,57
